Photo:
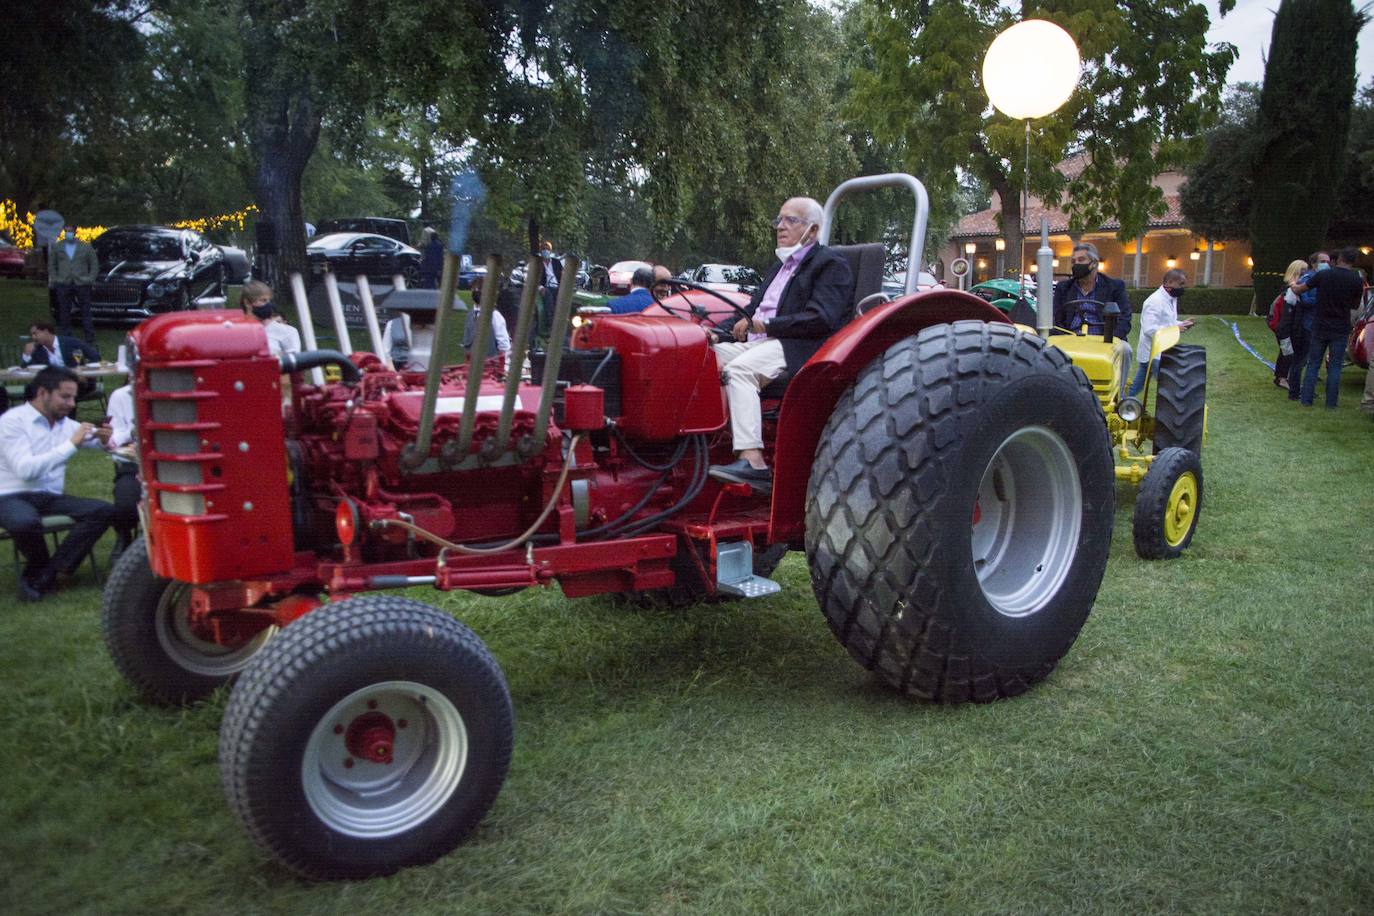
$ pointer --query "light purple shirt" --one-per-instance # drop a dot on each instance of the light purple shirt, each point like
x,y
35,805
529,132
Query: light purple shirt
x,y
768,305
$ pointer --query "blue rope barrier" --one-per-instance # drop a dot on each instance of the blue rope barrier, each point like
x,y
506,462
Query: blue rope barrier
x,y
1235,329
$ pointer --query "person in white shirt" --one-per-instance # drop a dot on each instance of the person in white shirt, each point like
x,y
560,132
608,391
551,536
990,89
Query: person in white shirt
x,y
36,441
256,301
128,488
1159,311
410,337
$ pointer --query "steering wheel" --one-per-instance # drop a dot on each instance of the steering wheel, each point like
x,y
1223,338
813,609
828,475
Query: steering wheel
x,y
697,313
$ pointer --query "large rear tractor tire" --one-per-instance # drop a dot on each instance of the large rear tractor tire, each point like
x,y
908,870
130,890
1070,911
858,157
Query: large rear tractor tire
x,y
959,512
372,735
1181,398
1168,505
154,643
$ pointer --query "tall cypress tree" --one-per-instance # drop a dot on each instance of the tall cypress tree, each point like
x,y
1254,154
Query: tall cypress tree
x,y
1304,118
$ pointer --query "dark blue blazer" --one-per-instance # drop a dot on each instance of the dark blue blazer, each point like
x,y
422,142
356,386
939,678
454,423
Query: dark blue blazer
x,y
1105,289
816,303
636,300
70,346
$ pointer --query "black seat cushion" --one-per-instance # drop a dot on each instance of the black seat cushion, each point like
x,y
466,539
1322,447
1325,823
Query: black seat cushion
x,y
867,264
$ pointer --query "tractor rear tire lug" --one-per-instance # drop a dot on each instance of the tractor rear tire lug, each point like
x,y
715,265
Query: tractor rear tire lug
x,y
897,475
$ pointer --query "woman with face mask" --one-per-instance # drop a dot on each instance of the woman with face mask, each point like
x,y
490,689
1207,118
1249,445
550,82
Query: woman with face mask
x,y
256,301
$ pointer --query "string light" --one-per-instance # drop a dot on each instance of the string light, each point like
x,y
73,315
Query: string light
x,y
20,229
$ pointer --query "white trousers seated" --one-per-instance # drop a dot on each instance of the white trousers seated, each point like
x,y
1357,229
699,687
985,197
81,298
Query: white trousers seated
x,y
747,368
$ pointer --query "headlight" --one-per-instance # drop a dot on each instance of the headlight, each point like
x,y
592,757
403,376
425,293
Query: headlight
x,y
1129,410
156,289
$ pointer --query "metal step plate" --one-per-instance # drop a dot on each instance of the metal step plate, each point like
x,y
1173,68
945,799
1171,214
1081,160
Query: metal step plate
x,y
735,572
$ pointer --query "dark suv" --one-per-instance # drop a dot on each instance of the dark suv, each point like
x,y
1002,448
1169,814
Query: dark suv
x,y
145,270
397,229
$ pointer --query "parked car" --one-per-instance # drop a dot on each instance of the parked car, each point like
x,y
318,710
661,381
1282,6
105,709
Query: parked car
x,y
350,254
238,269
729,278
1003,294
397,229
145,270
11,260
619,276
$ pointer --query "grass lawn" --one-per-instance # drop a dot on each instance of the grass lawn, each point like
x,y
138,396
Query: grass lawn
x,y
1205,746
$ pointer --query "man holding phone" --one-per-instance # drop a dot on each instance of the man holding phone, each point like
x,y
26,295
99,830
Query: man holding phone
x,y
36,441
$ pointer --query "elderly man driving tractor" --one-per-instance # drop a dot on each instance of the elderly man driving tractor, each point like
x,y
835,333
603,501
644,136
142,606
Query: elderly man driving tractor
x,y
802,301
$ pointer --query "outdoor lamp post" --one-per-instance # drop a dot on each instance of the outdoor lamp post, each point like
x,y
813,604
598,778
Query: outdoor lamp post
x,y
1030,70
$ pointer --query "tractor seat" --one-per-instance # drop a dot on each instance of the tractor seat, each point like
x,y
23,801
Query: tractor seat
x,y
866,265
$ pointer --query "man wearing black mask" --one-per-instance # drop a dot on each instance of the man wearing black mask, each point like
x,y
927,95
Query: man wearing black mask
x,y
1159,311
1082,299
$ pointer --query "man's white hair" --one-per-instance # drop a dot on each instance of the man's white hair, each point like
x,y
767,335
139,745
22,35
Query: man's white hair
x,y
811,209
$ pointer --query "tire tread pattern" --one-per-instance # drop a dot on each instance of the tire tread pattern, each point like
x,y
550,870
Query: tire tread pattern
x,y
1152,504
885,452
339,629
127,609
1181,398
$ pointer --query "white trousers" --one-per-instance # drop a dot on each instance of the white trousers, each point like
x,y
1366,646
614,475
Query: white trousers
x,y
747,368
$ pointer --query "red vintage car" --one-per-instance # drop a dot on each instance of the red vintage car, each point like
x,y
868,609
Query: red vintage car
x,y
11,260
620,273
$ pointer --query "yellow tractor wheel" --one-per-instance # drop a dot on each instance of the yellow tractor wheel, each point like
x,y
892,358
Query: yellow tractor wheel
x,y
1168,505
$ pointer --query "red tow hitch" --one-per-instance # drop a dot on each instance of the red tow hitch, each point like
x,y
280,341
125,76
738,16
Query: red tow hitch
x,y
371,736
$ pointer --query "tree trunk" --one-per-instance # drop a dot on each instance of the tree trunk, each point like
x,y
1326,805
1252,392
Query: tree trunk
x,y
1011,223
283,129
284,139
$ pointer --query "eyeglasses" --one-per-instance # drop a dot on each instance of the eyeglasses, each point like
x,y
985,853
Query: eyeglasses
x,y
778,221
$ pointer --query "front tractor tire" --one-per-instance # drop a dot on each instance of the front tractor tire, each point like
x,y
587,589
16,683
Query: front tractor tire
x,y
959,512
1181,398
372,735
153,642
1168,505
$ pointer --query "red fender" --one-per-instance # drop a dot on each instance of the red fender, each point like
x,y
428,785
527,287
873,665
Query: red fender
x,y
812,392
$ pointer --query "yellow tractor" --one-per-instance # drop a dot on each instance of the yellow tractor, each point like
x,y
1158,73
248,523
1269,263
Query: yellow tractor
x,y
1161,452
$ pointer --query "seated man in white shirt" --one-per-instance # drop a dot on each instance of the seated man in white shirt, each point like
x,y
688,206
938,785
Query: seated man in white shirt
x,y
36,441
256,300
128,489
410,337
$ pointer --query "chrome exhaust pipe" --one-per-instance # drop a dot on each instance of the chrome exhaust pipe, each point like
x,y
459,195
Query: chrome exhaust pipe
x,y
562,314
414,454
477,357
519,345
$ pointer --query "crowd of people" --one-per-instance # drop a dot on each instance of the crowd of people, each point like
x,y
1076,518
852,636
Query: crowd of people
x,y
1311,321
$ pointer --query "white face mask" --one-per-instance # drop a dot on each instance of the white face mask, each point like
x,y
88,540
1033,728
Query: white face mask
x,y
787,251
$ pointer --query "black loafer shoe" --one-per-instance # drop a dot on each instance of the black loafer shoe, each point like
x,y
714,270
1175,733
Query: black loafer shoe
x,y
741,471
27,592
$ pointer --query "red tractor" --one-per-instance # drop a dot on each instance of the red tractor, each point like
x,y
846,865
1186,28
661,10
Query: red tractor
x,y
949,477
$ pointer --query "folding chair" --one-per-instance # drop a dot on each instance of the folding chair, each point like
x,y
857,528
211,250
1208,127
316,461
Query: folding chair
x,y
53,525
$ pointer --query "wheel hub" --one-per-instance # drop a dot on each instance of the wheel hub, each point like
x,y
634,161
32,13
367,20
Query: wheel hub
x,y
384,758
1026,520
1178,515
371,736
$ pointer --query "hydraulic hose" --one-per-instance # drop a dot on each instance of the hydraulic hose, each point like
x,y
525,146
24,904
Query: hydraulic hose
x,y
312,359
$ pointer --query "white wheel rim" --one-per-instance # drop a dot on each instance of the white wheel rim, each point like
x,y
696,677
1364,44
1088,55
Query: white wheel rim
x,y
172,622
1026,521
371,799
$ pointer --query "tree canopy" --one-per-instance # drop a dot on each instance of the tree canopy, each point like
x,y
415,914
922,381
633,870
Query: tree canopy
x,y
1149,86
1301,131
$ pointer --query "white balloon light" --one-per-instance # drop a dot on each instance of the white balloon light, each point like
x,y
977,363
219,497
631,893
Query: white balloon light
x,y
1031,69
